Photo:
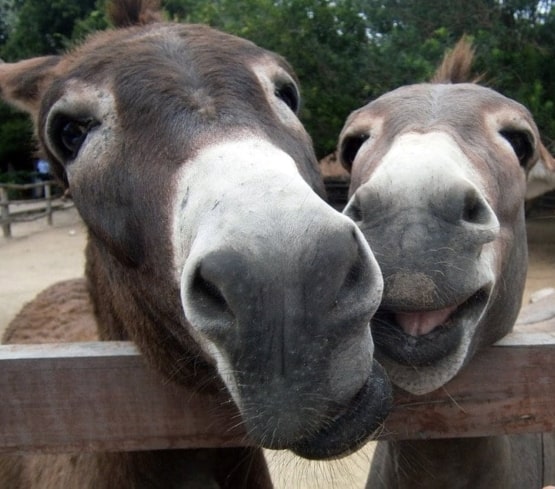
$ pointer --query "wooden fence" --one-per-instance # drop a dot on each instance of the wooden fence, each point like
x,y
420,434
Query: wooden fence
x,y
102,396
29,209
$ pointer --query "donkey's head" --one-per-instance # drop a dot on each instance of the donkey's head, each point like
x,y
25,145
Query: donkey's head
x,y
209,244
438,185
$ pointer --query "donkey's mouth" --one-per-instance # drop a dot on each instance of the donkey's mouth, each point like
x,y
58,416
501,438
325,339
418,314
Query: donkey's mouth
x,y
422,338
354,425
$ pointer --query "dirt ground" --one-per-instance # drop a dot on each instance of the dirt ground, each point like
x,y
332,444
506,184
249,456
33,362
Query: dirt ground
x,y
38,255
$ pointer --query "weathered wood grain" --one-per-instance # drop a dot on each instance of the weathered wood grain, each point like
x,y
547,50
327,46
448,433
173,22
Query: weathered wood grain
x,y
508,388
101,396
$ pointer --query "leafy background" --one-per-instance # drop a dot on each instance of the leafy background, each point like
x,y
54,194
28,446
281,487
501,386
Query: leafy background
x,y
345,52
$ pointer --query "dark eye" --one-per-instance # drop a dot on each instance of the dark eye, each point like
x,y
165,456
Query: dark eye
x,y
288,93
69,134
521,143
349,149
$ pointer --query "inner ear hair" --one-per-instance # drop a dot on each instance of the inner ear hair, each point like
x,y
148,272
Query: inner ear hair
x,y
126,13
22,83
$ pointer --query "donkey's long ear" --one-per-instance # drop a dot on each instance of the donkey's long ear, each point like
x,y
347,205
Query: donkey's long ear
x,y
125,13
456,66
23,83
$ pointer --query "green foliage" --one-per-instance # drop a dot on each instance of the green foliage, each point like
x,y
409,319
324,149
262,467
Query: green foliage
x,y
345,52
94,21
41,27
19,177
6,19
16,142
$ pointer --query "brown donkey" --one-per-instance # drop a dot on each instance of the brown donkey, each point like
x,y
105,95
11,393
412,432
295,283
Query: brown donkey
x,y
208,246
438,188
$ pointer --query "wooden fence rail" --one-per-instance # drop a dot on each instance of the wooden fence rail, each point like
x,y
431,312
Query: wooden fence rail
x,y
101,396
31,208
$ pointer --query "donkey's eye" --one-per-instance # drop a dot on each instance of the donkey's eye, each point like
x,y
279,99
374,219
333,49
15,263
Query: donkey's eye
x,y
68,134
522,144
349,149
287,92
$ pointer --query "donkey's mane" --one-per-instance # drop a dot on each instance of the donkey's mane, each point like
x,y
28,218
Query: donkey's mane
x,y
125,13
456,66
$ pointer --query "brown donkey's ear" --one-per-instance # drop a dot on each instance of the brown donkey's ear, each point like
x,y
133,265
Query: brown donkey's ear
x,y
22,83
125,13
456,66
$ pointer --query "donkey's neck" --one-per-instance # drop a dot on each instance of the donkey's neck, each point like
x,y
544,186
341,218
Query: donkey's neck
x,y
136,305
118,312
502,462
220,468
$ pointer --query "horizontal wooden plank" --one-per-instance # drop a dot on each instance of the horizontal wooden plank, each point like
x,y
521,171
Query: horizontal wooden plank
x,y
24,186
101,396
508,388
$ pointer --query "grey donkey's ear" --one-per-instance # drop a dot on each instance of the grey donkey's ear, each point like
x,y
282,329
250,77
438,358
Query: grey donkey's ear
x,y
23,83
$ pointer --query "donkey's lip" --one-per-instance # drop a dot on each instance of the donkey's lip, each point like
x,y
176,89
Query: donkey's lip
x,y
355,425
437,333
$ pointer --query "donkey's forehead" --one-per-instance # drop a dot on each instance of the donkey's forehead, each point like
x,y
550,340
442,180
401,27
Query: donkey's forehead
x,y
171,72
168,57
169,40
426,105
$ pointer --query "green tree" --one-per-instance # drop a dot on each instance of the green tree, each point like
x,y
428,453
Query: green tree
x,y
94,21
41,27
16,142
345,52
7,8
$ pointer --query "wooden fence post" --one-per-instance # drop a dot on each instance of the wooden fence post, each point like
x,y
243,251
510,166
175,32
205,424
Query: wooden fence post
x,y
4,203
48,197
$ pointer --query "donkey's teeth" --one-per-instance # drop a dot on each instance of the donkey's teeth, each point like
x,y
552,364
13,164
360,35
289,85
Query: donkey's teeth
x,y
422,323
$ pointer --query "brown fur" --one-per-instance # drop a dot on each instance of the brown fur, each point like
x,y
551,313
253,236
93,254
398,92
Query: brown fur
x,y
189,263
456,66
197,469
26,88
126,13
61,313
64,312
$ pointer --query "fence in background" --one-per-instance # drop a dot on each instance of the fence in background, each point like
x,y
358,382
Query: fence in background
x,y
29,209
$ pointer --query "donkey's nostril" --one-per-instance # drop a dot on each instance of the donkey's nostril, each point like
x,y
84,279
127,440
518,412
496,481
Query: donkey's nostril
x,y
464,206
355,275
475,209
207,295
